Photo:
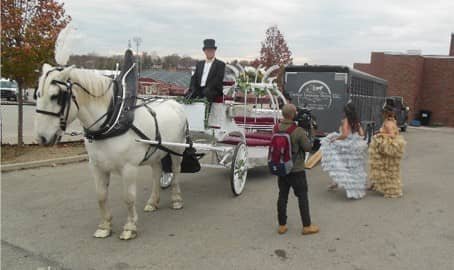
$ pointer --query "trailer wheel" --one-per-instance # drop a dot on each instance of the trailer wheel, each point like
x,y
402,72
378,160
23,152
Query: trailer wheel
x,y
238,169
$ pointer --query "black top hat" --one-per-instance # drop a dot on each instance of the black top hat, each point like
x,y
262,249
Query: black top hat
x,y
209,44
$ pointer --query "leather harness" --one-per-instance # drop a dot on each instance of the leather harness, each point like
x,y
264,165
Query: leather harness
x,y
120,114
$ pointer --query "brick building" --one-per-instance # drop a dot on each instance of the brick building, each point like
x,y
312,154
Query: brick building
x,y
161,82
425,81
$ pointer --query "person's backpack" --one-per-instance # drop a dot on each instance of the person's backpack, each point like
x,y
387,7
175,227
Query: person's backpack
x,y
280,160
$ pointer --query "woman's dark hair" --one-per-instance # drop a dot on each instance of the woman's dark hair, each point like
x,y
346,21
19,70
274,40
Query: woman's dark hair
x,y
352,117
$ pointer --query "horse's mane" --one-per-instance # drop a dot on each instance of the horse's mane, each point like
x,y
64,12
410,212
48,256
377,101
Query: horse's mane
x,y
98,85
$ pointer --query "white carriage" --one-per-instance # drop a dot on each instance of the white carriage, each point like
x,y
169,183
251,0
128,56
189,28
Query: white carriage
x,y
239,127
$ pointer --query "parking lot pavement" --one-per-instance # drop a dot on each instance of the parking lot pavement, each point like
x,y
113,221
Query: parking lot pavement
x,y
49,215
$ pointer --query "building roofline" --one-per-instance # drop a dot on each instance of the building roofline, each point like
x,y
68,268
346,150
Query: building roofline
x,y
402,53
438,56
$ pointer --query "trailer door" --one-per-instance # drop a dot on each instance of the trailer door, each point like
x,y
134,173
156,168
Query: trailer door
x,y
323,92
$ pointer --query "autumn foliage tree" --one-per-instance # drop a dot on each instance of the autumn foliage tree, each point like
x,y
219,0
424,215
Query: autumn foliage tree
x,y
274,49
29,31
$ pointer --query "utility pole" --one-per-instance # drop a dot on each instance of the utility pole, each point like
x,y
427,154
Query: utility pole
x,y
137,41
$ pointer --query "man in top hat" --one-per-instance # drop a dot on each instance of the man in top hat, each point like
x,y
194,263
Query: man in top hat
x,y
209,74
205,83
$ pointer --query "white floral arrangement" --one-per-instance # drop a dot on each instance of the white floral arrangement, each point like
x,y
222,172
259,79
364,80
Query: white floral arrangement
x,y
246,82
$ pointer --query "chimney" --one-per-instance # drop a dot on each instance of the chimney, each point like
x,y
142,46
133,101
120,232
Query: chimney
x,y
451,50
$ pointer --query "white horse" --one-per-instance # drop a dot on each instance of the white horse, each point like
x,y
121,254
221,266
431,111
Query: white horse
x,y
121,154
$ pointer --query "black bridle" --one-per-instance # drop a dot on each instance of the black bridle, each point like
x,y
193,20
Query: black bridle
x,y
64,98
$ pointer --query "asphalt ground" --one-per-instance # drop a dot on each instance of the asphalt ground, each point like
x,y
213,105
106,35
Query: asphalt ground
x,y
49,216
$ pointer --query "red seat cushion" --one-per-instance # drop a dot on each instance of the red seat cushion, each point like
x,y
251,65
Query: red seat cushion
x,y
249,141
254,120
257,135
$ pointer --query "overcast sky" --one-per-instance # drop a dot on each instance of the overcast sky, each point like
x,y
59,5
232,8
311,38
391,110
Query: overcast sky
x,y
317,32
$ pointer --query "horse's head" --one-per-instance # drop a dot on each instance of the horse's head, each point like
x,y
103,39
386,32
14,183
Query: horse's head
x,y
55,106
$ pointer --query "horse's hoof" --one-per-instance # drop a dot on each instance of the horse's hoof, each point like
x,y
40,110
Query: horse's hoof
x,y
150,208
128,235
102,233
177,205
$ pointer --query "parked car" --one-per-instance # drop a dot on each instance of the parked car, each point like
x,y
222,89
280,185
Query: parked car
x,y
8,89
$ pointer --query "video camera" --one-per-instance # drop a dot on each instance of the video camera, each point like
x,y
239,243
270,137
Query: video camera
x,y
308,122
305,119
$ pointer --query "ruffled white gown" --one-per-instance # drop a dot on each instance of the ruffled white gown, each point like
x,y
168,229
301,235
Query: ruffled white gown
x,y
345,161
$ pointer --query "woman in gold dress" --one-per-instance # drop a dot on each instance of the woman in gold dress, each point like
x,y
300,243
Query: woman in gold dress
x,y
385,153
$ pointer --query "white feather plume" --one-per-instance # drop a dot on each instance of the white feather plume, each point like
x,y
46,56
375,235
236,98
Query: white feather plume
x,y
63,46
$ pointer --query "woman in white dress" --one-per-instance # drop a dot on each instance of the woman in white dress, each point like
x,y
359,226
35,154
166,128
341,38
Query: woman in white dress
x,y
344,156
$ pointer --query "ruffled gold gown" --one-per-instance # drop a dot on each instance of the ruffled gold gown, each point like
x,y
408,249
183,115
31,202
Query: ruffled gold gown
x,y
385,154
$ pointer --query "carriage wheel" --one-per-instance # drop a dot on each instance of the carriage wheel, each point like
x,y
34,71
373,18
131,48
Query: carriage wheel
x,y
238,170
166,180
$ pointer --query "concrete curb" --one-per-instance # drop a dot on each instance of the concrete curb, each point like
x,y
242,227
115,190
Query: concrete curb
x,y
42,163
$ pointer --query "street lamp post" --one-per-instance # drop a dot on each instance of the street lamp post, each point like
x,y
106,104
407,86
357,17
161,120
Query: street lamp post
x,y
138,41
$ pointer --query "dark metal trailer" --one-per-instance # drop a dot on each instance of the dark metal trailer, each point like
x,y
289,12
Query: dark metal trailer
x,y
327,89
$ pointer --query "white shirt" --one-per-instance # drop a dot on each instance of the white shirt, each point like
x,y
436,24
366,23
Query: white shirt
x,y
206,70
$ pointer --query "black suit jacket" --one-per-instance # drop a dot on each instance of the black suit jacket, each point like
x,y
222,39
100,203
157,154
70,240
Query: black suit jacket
x,y
213,86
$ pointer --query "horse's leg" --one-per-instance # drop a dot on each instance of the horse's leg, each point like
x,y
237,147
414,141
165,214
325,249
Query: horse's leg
x,y
153,201
177,200
102,184
129,176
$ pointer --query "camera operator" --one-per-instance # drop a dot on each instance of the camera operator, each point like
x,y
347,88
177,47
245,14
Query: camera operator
x,y
297,177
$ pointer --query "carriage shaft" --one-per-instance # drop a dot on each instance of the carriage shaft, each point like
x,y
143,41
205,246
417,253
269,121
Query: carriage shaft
x,y
198,146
